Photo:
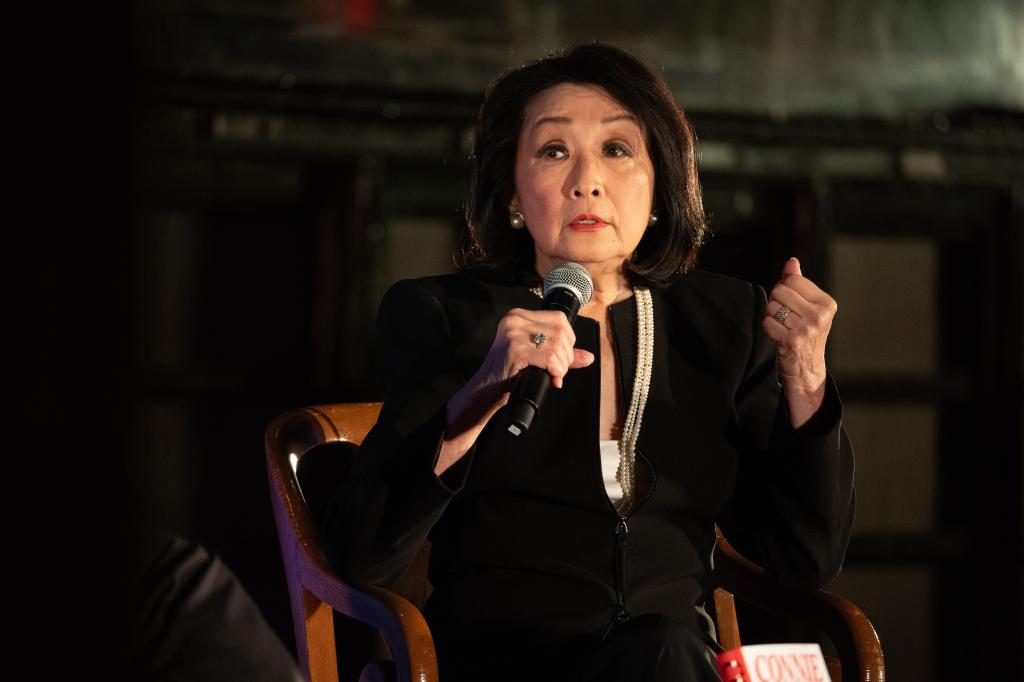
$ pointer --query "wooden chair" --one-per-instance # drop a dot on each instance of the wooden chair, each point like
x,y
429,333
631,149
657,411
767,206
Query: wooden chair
x,y
316,592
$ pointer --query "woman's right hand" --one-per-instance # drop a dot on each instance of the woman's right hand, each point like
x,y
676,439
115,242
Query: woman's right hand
x,y
513,350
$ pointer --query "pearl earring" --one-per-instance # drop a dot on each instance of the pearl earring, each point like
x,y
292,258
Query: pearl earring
x,y
516,220
653,220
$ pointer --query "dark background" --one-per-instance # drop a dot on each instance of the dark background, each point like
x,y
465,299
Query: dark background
x,y
211,197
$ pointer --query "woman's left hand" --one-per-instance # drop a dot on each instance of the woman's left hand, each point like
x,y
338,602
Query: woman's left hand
x,y
800,337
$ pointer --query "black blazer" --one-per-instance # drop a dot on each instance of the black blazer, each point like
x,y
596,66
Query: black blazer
x,y
528,552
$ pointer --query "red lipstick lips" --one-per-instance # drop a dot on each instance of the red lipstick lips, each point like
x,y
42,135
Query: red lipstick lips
x,y
587,222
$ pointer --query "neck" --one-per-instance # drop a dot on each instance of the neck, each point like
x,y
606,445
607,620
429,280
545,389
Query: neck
x,y
610,283
610,289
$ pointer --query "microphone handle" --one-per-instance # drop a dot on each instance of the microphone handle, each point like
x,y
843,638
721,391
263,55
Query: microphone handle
x,y
527,396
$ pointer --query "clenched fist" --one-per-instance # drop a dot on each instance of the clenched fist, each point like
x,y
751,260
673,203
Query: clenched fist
x,y
799,317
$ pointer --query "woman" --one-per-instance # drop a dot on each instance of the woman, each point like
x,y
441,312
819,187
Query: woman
x,y
582,549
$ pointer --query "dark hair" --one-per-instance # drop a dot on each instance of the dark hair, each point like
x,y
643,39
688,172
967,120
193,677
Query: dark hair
x,y
666,250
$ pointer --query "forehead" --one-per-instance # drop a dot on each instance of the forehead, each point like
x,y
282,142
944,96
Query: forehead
x,y
569,103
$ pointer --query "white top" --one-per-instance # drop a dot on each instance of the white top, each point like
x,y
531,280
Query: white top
x,y
609,467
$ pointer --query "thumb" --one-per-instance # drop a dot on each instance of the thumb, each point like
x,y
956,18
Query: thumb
x,y
581,358
792,267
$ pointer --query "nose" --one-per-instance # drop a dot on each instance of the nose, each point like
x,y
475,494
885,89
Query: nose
x,y
585,179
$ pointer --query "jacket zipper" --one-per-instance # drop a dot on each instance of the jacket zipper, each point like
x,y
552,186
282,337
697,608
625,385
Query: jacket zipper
x,y
621,577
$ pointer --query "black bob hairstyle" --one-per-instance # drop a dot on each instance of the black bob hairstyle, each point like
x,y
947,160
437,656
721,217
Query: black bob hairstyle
x,y
668,249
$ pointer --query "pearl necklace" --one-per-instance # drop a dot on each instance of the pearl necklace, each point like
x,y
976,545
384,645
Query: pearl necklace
x,y
641,385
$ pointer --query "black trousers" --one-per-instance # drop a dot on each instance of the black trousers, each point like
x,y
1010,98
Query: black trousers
x,y
646,648
651,648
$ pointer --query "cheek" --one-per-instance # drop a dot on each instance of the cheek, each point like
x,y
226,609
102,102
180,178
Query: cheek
x,y
637,175
637,192
538,194
645,178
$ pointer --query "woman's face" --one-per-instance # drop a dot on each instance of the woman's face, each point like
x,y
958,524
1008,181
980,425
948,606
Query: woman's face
x,y
584,180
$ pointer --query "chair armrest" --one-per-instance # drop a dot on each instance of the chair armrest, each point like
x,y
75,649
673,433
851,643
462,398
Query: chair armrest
x,y
845,624
396,618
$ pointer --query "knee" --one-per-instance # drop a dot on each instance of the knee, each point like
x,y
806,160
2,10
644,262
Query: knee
x,y
681,653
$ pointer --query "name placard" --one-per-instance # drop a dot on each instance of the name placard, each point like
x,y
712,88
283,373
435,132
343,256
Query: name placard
x,y
773,663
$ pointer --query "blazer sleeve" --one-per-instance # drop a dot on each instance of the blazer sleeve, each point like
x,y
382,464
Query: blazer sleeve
x,y
377,521
792,510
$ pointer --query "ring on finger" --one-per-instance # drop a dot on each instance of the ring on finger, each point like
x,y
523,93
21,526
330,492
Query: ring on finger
x,y
538,339
781,314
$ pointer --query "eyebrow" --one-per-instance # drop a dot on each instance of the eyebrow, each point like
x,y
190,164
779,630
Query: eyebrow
x,y
566,119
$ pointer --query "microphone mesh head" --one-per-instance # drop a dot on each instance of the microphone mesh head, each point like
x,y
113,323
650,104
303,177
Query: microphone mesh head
x,y
572,276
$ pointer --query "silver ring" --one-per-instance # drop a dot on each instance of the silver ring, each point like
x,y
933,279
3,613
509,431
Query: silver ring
x,y
539,338
781,314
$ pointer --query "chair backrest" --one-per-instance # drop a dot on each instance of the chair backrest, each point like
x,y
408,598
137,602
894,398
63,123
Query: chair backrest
x,y
315,590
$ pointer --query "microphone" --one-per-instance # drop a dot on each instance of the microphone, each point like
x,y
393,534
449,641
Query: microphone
x,y
567,287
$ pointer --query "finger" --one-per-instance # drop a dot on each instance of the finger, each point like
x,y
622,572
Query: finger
x,y
791,267
772,309
549,356
556,336
556,366
541,334
774,329
818,313
805,287
549,319
790,321
581,358
542,316
783,295
559,345
554,354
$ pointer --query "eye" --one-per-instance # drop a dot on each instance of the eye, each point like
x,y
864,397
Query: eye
x,y
617,149
553,151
